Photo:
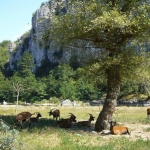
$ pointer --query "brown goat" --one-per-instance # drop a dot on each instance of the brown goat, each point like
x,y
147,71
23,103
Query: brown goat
x,y
148,112
55,113
71,119
23,116
35,119
86,123
117,130
66,123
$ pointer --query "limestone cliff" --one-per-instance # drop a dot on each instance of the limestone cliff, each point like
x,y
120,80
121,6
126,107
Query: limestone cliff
x,y
33,43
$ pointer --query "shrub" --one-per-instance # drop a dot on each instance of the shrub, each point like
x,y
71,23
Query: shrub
x,y
8,138
54,100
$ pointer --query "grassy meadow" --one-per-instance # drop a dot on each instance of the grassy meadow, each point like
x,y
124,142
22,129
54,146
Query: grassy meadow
x,y
45,135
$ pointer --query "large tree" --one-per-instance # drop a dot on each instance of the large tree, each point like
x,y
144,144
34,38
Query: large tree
x,y
111,34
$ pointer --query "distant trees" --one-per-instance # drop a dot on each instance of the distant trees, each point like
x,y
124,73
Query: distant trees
x,y
4,55
5,44
62,82
66,83
86,90
25,65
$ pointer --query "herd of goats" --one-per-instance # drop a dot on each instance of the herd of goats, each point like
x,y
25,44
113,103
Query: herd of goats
x,y
63,123
67,123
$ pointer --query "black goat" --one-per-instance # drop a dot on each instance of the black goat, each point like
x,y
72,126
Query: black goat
x,y
148,112
35,119
66,123
55,113
86,123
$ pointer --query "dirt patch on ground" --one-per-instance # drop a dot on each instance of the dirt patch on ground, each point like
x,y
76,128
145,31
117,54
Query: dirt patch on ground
x,y
138,131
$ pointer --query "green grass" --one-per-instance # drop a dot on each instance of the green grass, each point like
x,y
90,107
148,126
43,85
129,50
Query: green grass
x,y
45,135
147,130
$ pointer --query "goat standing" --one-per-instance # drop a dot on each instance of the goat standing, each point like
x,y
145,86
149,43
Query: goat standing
x,y
26,116
55,113
148,112
23,116
86,123
117,130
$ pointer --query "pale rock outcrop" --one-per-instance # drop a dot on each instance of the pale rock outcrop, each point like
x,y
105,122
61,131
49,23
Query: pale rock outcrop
x,y
33,42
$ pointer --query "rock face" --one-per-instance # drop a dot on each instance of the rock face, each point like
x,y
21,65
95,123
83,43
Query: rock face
x,y
34,44
33,41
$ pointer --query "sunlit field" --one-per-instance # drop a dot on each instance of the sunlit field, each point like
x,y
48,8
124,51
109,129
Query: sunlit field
x,y
45,135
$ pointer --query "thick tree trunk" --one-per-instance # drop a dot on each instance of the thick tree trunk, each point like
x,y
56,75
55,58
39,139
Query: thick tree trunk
x,y
113,90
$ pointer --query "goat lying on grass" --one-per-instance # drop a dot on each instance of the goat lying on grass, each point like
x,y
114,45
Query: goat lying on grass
x,y
55,113
86,123
118,129
35,119
66,123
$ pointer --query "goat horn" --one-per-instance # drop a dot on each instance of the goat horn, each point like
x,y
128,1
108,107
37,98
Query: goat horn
x,y
71,114
52,109
37,113
90,114
34,113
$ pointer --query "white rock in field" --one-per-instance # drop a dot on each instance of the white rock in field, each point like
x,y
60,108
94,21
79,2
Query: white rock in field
x,y
105,132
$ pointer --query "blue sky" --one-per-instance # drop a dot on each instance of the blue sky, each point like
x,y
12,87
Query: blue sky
x,y
15,17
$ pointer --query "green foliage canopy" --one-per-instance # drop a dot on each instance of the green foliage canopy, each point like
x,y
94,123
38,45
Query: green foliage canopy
x,y
118,29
